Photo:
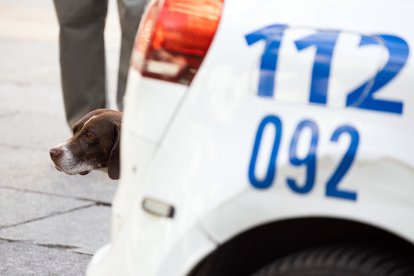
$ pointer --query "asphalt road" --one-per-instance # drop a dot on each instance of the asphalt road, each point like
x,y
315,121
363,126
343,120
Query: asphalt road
x,y
50,223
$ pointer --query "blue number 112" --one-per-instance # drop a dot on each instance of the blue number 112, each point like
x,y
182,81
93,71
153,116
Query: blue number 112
x,y
324,42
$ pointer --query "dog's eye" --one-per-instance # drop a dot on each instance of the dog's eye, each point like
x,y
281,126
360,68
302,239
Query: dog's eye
x,y
89,136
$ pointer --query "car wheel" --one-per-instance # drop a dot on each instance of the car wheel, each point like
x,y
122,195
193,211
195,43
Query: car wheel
x,y
339,261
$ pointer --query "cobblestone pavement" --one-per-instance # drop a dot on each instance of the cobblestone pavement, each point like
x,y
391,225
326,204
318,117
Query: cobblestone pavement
x,y
50,223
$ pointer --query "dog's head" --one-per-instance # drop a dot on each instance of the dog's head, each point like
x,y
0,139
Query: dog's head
x,y
94,145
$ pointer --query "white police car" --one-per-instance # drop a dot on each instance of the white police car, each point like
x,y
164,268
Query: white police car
x,y
268,137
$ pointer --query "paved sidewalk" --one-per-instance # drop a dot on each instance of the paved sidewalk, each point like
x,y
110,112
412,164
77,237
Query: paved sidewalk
x,y
50,223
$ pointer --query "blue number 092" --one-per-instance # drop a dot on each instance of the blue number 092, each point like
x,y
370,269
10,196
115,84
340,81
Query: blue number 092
x,y
309,161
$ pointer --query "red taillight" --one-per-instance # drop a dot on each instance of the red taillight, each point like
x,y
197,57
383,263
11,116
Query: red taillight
x,y
174,37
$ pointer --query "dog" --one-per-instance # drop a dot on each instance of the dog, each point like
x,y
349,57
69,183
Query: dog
x,y
94,145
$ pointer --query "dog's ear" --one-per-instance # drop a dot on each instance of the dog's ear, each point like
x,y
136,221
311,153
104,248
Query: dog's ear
x,y
79,124
113,163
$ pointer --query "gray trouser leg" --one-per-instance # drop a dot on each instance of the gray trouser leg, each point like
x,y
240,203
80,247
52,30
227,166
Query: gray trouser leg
x,y
130,12
82,55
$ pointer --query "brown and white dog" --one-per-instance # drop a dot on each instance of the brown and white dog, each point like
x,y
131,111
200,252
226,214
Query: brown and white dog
x,y
94,145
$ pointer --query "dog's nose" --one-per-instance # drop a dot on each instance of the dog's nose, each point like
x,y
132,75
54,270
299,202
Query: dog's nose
x,y
55,153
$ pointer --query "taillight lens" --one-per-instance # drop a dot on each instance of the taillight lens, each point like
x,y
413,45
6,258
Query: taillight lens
x,y
173,38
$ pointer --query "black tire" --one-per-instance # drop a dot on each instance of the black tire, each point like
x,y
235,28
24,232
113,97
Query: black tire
x,y
339,261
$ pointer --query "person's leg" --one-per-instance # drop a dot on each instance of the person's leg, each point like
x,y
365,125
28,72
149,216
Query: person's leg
x,y
130,13
82,55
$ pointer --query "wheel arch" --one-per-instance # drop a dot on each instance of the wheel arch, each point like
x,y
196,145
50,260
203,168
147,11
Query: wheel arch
x,y
256,247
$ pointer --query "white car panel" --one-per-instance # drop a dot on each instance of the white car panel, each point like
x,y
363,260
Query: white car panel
x,y
193,147
152,107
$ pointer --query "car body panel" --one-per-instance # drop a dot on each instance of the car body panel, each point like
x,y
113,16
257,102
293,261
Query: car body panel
x,y
197,156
